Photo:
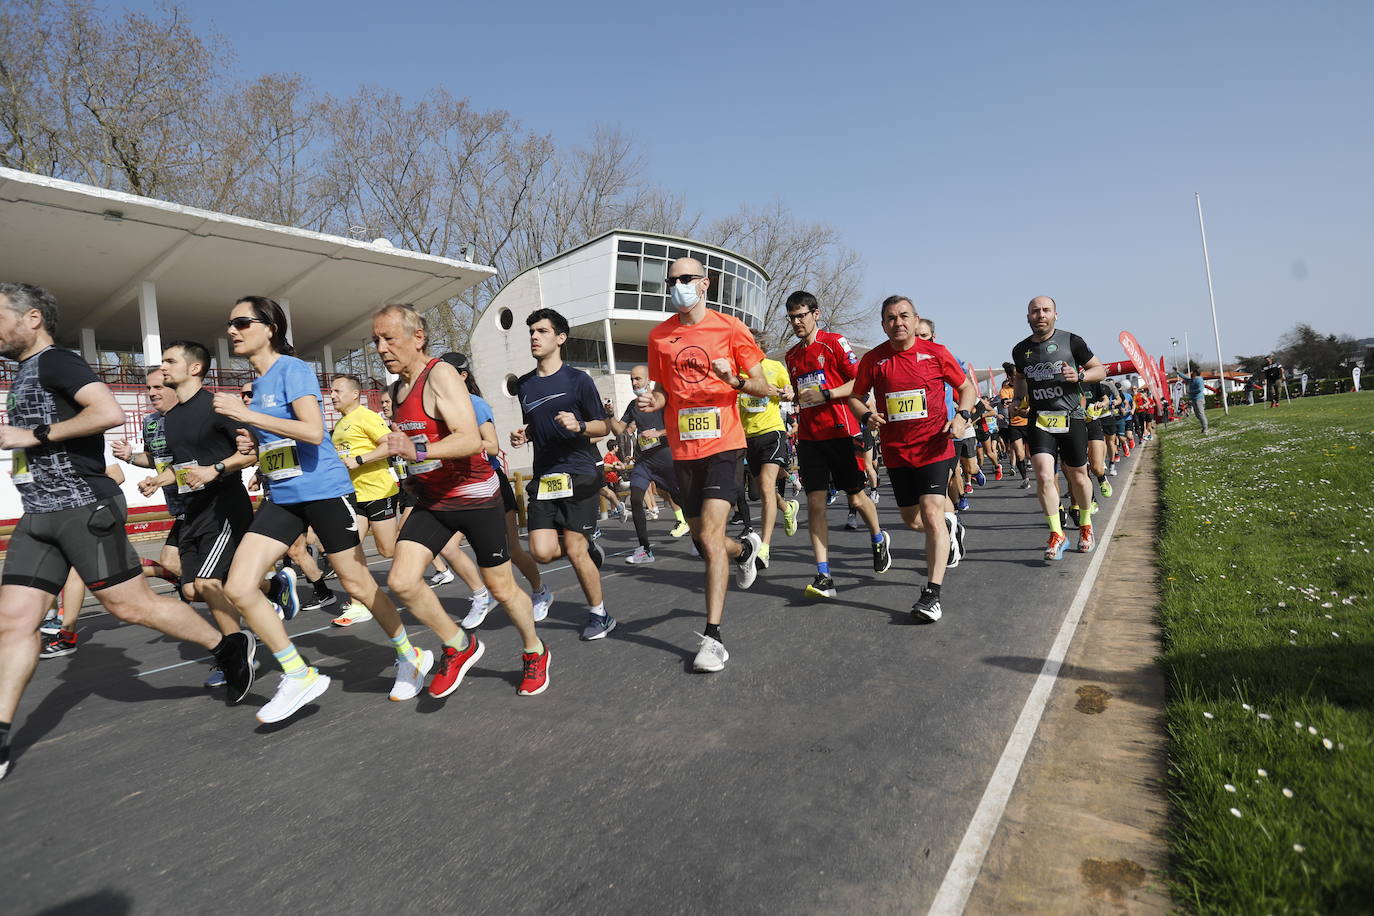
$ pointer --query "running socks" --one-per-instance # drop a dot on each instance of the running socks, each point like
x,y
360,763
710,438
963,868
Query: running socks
x,y
1054,523
1085,516
292,665
599,609
877,539
713,631
823,568
677,514
459,642
404,650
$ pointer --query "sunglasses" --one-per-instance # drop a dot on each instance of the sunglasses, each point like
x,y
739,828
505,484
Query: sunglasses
x,y
243,322
794,318
685,278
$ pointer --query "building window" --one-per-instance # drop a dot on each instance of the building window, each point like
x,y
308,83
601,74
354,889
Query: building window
x,y
654,273
632,247
626,301
511,386
652,303
657,251
626,273
505,318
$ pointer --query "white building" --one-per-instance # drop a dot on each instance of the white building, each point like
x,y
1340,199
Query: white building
x,y
612,290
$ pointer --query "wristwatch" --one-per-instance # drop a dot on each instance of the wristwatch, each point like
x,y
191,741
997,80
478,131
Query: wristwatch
x,y
219,468
358,460
40,432
739,383
965,414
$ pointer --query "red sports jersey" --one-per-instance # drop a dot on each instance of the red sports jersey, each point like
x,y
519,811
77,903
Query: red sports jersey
x,y
827,363
909,386
448,483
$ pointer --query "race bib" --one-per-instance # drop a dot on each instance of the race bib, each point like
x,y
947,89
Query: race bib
x,y
1053,421
906,405
814,381
555,486
1094,411
161,462
279,460
179,471
753,405
698,423
647,442
19,467
421,467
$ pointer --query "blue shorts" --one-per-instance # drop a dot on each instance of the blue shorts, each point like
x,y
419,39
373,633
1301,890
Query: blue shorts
x,y
655,466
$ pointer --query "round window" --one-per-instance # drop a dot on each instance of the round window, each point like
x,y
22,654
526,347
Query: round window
x,y
505,318
510,386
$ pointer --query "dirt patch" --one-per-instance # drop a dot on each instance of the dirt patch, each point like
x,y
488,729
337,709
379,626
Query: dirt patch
x,y
1092,699
1111,880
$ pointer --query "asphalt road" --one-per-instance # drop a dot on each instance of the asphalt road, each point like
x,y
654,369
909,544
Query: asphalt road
x,y
833,765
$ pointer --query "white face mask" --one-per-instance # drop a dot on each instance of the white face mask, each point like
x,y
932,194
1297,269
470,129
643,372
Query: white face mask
x,y
685,296
640,392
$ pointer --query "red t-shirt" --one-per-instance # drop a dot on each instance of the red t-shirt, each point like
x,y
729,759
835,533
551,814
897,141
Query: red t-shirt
x,y
909,386
827,363
701,415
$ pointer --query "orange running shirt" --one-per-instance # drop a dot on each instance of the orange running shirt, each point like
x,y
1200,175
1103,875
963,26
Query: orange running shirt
x,y
700,416
1008,393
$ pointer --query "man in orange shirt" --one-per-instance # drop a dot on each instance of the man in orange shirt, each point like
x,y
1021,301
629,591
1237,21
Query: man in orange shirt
x,y
697,363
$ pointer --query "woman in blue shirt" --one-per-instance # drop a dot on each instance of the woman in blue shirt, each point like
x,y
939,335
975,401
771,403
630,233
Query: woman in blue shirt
x,y
310,489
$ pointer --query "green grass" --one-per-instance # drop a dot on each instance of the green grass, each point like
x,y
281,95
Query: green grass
x,y
1267,571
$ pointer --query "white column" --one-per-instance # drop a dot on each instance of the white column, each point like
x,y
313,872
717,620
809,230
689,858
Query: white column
x,y
88,349
290,324
222,353
328,359
147,320
610,345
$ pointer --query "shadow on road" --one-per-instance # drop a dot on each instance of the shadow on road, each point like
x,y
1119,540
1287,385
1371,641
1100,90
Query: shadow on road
x,y
100,903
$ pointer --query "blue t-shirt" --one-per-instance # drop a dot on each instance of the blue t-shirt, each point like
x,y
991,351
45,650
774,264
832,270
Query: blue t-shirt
x,y
323,475
1197,388
556,450
484,415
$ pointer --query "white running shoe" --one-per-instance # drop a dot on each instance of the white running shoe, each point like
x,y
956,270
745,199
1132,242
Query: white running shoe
x,y
1112,472
651,514
293,693
745,570
477,610
640,556
956,546
543,600
51,625
711,656
355,612
441,578
411,677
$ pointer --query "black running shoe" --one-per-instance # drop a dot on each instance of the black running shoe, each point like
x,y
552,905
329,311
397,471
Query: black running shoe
x,y
821,587
597,554
1067,518
4,757
235,658
323,598
927,607
882,554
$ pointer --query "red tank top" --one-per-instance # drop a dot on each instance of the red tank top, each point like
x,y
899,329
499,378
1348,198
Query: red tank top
x,y
449,483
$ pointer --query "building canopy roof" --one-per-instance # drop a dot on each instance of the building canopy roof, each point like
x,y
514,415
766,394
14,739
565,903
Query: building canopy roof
x,y
94,248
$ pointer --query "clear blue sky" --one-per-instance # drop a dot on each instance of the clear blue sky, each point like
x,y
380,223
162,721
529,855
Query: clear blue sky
x,y
975,154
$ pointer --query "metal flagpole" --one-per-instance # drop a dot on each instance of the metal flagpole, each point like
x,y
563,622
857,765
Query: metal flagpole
x,y
1211,297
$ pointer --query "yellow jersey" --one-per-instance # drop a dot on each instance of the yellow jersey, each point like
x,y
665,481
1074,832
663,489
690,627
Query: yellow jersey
x,y
357,433
762,415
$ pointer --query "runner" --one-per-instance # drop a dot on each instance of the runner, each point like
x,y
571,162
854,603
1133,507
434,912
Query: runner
x,y
491,449
456,490
562,413
653,466
1051,365
765,445
168,563
822,369
310,489
612,466
1015,430
360,439
909,376
1095,409
695,358
58,411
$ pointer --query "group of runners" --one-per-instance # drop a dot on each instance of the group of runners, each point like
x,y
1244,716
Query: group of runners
x,y
425,475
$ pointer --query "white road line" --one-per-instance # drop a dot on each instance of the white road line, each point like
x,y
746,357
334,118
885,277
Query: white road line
x,y
959,880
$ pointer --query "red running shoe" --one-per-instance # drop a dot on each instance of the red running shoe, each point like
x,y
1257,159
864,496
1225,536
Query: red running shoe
x,y
1054,550
997,475
1085,539
968,488
535,679
453,665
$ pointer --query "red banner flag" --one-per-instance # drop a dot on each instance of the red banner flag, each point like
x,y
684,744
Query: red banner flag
x,y
1143,364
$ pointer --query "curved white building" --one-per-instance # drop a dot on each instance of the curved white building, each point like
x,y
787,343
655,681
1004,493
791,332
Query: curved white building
x,y
612,290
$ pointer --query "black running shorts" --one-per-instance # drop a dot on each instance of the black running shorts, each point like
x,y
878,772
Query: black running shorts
x,y
333,520
1071,446
46,545
717,476
508,503
825,462
211,533
577,513
766,448
966,448
1015,433
378,510
174,534
655,466
484,528
1095,431
910,484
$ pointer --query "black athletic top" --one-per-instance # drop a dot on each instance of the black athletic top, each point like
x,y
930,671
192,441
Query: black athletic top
x,y
1042,362
196,433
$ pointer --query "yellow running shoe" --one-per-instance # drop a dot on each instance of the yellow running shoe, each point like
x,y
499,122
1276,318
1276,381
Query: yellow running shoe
x,y
790,508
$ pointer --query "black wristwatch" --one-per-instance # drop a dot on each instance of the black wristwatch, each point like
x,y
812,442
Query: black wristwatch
x,y
219,468
825,393
965,414
358,460
582,427
40,432
739,384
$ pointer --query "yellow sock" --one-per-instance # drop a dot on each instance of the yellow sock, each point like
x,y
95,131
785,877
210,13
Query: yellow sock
x,y
1054,523
459,642
292,665
1085,517
404,650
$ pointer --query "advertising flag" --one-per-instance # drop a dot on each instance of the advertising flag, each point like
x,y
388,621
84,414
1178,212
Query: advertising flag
x,y
1304,385
1355,377
1143,365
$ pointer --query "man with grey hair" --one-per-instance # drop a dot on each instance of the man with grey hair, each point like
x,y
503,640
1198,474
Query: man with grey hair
x,y
73,514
